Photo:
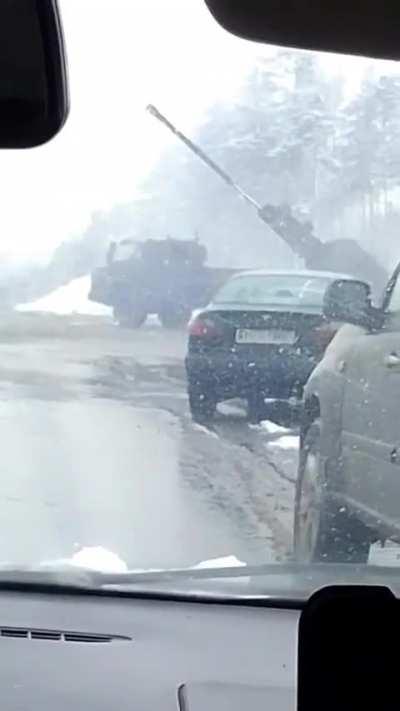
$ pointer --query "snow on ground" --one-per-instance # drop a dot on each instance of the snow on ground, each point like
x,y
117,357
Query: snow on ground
x,y
228,561
232,408
91,558
71,298
153,320
285,442
103,560
98,558
204,430
272,428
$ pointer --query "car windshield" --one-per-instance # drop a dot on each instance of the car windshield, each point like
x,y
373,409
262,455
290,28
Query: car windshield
x,y
285,289
149,420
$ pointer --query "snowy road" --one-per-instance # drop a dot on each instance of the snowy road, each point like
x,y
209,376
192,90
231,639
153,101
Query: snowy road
x,y
98,449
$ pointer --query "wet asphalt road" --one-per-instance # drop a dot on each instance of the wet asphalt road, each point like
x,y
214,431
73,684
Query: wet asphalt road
x,y
98,449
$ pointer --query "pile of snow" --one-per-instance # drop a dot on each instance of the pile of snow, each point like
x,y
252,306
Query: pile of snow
x,y
69,299
98,558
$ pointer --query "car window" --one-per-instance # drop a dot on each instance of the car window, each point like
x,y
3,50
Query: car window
x,y
282,289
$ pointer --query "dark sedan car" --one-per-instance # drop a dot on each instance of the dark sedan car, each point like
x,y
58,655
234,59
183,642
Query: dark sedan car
x,y
259,339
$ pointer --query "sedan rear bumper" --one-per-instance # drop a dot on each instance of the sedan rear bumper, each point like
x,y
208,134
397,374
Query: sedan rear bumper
x,y
228,375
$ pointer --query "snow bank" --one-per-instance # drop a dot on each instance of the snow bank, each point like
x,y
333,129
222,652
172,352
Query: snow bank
x,y
69,299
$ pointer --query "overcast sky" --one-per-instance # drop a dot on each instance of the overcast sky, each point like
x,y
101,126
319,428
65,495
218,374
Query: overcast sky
x,y
123,54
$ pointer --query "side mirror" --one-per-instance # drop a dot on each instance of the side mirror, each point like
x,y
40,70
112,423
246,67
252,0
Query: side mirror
x,y
33,80
348,301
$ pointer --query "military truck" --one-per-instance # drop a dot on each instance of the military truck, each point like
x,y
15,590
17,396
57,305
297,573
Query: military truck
x,y
168,277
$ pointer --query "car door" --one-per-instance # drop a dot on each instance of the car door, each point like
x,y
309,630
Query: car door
x,y
371,416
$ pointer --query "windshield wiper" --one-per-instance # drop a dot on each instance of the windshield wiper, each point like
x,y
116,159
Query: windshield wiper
x,y
81,577
71,576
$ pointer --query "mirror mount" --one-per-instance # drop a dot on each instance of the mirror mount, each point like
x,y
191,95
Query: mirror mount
x,y
377,319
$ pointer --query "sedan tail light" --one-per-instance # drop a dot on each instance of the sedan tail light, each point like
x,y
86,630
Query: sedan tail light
x,y
204,327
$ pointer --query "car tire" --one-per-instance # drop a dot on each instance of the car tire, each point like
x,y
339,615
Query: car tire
x,y
324,530
202,405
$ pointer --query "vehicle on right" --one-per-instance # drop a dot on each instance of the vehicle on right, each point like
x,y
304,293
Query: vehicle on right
x,y
348,484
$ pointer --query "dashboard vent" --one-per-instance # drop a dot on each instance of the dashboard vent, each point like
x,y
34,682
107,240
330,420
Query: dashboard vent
x,y
60,635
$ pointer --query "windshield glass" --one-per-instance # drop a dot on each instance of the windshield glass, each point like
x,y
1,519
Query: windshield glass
x,y
149,419
283,289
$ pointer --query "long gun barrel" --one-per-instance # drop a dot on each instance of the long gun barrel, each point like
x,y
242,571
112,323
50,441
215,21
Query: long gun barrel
x,y
203,156
297,235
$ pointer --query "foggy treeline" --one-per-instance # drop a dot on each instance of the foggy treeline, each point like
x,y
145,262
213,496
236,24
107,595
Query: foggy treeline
x,y
291,135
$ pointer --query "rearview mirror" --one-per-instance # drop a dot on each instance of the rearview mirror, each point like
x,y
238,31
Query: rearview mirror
x,y
348,301
33,83
368,28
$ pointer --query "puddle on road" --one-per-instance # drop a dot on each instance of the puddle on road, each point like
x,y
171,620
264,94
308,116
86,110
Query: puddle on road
x,y
127,379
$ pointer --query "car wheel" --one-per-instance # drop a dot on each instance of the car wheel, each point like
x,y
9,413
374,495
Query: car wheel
x,y
324,531
202,405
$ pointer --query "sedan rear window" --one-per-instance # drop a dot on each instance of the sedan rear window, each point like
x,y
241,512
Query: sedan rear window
x,y
273,289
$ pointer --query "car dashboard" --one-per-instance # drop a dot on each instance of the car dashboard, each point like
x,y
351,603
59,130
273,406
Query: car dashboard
x,y
105,652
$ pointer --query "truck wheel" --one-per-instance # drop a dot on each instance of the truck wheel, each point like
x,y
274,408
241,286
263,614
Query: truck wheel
x,y
129,318
174,317
202,405
324,531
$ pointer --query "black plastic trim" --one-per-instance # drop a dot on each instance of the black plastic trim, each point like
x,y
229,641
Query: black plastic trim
x,y
280,603
365,28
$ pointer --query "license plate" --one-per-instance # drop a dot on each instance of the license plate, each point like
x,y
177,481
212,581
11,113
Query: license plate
x,y
271,336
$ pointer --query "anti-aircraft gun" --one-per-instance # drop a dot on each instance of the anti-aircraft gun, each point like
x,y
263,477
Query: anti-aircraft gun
x,y
340,255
